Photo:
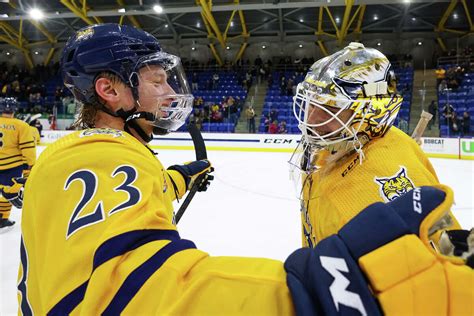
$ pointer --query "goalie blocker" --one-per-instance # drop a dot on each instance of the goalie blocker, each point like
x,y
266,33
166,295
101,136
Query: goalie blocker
x,y
381,262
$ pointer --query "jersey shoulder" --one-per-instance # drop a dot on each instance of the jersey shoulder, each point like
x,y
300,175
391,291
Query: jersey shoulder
x,y
104,140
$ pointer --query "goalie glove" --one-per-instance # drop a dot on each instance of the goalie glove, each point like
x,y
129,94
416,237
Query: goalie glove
x,y
192,170
382,262
14,193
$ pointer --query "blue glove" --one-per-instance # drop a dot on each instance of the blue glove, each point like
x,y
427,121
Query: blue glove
x,y
14,193
334,277
192,170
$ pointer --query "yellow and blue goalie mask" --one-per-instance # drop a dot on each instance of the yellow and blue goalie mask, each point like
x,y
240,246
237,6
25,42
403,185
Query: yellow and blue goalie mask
x,y
346,100
162,90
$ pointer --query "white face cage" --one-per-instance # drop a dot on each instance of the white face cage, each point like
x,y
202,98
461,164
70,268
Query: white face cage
x,y
307,101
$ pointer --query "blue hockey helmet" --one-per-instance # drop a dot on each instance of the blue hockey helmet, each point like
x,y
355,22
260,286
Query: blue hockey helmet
x,y
9,106
103,48
123,51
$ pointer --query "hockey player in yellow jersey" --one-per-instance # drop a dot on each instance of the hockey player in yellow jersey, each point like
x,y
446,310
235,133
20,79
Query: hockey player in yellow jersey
x,y
17,156
98,235
351,156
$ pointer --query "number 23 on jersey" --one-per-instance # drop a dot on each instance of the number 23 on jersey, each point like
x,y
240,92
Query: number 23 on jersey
x,y
91,184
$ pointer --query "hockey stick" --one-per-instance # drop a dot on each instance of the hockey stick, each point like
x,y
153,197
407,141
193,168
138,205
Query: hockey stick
x,y
201,153
425,117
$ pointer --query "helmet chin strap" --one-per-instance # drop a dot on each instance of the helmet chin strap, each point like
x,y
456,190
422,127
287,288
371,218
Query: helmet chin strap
x,y
131,118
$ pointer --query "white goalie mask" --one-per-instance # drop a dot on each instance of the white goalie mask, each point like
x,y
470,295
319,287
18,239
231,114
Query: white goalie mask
x,y
346,100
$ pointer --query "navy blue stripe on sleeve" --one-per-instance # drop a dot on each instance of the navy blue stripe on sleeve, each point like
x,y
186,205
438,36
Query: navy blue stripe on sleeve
x,y
113,247
24,305
70,301
140,275
123,243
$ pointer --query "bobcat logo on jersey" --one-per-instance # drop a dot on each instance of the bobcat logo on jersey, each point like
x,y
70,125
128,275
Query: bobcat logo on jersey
x,y
395,186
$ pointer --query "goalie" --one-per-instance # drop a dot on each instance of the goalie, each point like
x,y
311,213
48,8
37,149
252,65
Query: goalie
x,y
350,155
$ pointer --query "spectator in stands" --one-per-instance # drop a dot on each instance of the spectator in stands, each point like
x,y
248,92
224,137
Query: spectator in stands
x,y
440,75
248,78
239,104
273,115
261,74
432,109
225,110
58,93
283,85
198,102
466,124
273,128
266,124
250,116
194,84
454,123
282,128
270,80
289,87
198,118
216,115
443,86
69,105
447,111
215,81
258,61
233,110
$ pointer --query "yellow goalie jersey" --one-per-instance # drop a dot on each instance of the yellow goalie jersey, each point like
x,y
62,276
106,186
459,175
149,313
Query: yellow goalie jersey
x,y
17,146
98,238
393,165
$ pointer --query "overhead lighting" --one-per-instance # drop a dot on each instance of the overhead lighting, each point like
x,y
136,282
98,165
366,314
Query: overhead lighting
x,y
231,23
36,53
36,14
376,17
379,44
301,20
406,1
228,47
8,53
263,46
420,43
4,16
338,19
158,8
193,48
198,24
455,16
300,45
121,10
166,25
413,19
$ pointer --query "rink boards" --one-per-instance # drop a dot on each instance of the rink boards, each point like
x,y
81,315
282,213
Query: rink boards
x,y
455,148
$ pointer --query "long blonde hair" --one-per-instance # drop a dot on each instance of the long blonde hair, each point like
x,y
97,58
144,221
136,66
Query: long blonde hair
x,y
87,113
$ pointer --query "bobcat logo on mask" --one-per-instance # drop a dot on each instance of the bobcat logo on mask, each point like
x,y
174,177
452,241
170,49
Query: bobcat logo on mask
x,y
392,187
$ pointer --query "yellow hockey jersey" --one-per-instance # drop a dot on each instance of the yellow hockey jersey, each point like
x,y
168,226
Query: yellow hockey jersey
x,y
393,165
17,146
36,135
98,238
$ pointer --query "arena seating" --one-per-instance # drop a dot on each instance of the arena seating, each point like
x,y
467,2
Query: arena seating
x,y
461,99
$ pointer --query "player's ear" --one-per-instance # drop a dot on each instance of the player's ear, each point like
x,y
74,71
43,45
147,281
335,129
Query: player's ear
x,y
106,89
